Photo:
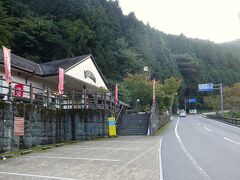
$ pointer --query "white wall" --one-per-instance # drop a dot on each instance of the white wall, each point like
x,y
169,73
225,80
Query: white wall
x,y
78,73
19,77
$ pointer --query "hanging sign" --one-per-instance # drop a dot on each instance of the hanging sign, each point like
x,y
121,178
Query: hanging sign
x,y
19,88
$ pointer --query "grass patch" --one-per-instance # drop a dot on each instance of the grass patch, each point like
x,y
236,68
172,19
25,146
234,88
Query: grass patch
x,y
232,114
162,129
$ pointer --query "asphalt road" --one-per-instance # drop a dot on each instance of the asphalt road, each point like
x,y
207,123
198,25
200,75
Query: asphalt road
x,y
196,148
190,148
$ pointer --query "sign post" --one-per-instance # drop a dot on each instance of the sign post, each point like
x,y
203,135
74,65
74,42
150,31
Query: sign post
x,y
211,87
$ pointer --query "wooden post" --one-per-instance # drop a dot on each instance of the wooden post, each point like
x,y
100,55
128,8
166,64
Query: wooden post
x,y
31,93
96,100
101,100
10,97
105,100
61,101
48,97
85,99
110,107
73,97
115,105
43,94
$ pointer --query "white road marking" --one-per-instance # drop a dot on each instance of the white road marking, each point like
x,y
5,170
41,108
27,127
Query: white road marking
x,y
232,141
116,149
198,123
208,129
193,161
120,141
160,160
133,160
36,176
70,158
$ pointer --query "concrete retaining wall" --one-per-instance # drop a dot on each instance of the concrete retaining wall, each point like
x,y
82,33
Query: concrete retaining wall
x,y
46,126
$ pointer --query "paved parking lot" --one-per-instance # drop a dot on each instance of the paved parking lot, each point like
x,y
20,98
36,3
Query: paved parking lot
x,y
132,157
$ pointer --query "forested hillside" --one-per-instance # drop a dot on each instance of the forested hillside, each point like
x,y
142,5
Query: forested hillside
x,y
49,30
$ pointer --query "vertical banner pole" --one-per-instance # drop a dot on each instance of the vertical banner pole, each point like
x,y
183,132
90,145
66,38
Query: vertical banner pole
x,y
154,91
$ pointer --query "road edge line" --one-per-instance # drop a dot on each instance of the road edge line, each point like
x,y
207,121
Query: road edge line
x,y
160,160
192,160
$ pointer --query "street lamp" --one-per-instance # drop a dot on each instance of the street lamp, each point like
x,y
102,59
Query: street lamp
x,y
137,101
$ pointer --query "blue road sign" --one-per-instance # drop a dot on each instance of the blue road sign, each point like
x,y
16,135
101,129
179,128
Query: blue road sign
x,y
205,87
192,100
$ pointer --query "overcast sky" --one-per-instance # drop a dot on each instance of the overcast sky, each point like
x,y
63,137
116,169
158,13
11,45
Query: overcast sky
x,y
216,20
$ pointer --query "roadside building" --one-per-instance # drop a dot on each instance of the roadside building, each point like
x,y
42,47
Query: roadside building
x,y
80,73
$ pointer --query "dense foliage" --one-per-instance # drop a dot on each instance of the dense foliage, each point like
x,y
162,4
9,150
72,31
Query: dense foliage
x,y
231,98
137,90
49,30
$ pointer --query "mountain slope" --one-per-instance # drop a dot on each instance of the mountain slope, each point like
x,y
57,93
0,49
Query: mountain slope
x,y
47,30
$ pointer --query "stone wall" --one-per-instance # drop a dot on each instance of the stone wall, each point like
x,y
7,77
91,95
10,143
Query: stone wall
x,y
157,120
46,126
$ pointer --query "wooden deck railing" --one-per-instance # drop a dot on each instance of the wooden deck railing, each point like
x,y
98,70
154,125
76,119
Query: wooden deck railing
x,y
46,97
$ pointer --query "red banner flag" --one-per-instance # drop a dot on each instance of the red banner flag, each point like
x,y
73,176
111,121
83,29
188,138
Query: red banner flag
x,y
116,94
7,64
154,93
60,80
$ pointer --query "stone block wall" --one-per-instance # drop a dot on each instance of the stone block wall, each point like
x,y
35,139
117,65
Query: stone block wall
x,y
157,120
47,126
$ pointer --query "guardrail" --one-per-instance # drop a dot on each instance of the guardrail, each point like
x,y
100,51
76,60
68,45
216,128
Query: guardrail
x,y
233,121
49,98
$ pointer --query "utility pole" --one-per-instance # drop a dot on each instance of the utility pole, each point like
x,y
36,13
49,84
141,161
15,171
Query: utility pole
x,y
185,105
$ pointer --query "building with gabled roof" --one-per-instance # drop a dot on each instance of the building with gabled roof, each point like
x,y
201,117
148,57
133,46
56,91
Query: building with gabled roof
x,y
80,72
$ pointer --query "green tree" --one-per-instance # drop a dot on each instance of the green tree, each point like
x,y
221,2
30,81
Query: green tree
x,y
5,33
171,87
138,87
